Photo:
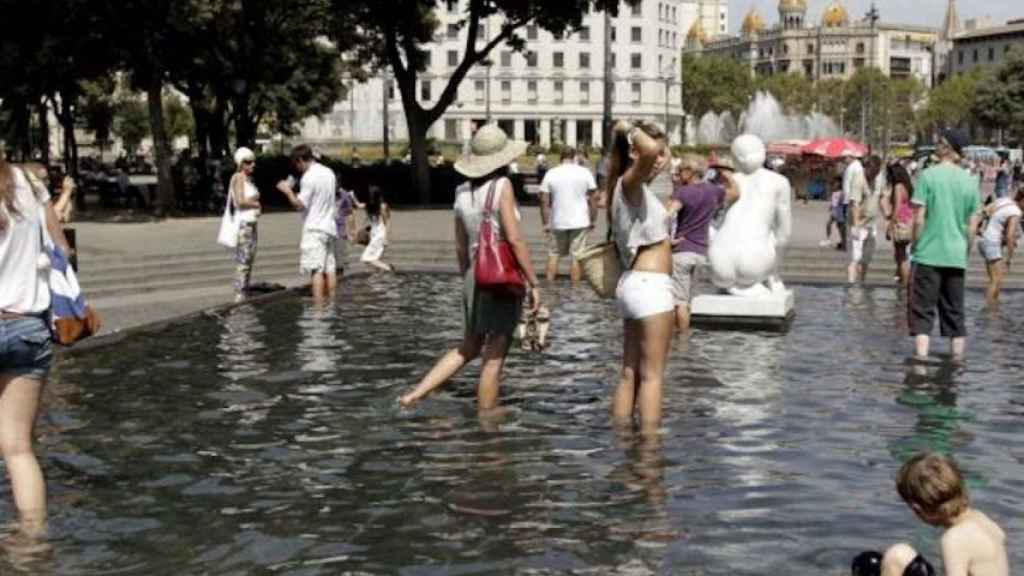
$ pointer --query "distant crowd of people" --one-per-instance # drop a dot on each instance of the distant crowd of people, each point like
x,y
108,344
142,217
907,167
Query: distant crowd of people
x,y
934,217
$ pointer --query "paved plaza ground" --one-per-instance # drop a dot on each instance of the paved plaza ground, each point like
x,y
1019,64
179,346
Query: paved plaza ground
x,y
140,272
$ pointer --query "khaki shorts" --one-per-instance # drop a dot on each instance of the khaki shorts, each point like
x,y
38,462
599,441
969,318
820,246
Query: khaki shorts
x,y
317,253
567,242
685,266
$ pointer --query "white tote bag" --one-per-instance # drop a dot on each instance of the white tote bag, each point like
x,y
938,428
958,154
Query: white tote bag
x,y
228,235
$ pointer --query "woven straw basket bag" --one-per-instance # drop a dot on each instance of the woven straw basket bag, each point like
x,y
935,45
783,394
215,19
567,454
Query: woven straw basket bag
x,y
601,268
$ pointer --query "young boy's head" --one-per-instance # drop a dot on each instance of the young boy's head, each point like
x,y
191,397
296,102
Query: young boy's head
x,y
932,485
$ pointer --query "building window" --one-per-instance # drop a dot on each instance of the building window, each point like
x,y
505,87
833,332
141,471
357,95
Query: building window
x,y
479,88
635,89
453,58
585,60
960,57
785,48
975,54
614,34
584,92
451,130
558,59
638,9
810,48
991,53
391,90
559,91
531,32
531,59
585,34
614,60
636,34
451,5
531,91
506,92
636,61
506,59
453,31
425,92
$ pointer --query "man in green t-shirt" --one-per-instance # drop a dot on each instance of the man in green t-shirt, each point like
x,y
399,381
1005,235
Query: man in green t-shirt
x,y
946,207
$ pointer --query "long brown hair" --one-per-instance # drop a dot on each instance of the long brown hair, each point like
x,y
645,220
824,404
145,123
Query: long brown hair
x,y
620,159
8,197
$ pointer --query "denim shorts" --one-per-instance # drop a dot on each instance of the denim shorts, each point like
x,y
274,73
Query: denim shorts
x,y
26,348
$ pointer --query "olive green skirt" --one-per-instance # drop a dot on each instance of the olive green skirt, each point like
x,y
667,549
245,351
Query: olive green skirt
x,y
487,312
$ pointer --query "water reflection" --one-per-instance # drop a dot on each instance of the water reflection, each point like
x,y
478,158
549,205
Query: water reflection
x,y
268,441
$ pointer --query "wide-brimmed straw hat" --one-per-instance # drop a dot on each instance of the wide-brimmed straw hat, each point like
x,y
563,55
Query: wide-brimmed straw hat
x,y
490,149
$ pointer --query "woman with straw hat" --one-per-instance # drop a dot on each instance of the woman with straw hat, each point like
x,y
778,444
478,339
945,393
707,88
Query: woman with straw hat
x,y
490,317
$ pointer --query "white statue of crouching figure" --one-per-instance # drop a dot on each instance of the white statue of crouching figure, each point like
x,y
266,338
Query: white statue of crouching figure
x,y
745,252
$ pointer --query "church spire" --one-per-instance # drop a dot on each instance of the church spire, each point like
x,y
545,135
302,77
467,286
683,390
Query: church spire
x,y
951,24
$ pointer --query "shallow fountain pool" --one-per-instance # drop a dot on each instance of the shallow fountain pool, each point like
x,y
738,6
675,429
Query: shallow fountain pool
x,y
268,441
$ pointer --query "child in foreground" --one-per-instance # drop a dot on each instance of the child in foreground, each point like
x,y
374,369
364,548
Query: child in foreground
x,y
972,545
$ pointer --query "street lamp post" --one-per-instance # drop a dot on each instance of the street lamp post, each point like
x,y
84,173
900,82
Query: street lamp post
x,y
872,17
384,116
609,86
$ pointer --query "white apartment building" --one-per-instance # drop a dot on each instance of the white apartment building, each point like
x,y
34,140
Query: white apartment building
x,y
551,92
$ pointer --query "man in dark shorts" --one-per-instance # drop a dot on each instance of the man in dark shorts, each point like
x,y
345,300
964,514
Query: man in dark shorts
x,y
946,216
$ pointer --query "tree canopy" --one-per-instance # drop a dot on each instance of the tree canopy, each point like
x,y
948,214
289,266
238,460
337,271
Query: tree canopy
x,y
715,84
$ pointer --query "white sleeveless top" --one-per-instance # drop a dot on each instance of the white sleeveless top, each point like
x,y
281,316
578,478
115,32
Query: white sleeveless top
x,y
24,279
250,193
634,227
469,209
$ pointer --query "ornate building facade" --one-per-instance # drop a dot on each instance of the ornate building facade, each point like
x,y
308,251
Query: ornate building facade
x,y
834,45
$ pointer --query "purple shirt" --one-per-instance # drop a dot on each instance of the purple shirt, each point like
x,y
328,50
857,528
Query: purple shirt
x,y
700,201
342,212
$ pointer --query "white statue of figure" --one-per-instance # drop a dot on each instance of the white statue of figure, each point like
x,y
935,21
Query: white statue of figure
x,y
745,252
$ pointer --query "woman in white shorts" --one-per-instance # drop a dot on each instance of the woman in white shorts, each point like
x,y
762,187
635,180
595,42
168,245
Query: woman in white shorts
x,y
1002,230
640,227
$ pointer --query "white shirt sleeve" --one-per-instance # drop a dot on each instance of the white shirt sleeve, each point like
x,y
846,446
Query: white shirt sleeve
x,y
306,188
591,183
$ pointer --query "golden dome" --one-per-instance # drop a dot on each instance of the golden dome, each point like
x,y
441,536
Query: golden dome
x,y
835,16
793,5
697,33
753,23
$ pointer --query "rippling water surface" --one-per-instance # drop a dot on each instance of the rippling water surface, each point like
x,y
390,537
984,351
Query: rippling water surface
x,y
268,441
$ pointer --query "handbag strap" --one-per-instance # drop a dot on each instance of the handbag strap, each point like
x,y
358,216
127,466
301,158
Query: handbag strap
x,y
489,201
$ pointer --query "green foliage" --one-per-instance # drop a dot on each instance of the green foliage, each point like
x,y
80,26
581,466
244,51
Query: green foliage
x,y
98,107
178,119
951,103
715,84
131,123
999,99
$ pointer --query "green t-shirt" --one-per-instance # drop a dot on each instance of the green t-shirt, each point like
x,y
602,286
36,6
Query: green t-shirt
x,y
950,196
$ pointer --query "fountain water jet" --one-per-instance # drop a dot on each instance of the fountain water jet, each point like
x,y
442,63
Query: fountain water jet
x,y
765,118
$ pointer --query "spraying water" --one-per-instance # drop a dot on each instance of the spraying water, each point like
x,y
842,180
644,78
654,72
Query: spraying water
x,y
766,119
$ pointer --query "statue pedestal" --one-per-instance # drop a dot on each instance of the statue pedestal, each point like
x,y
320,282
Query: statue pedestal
x,y
773,312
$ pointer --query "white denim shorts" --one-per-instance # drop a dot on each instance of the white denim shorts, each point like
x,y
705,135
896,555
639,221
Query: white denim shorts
x,y
316,253
990,251
644,294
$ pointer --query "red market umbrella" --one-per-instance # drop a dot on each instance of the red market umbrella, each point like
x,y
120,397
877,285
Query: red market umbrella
x,y
787,147
836,148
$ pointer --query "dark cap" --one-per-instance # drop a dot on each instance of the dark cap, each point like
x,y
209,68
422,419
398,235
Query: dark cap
x,y
956,139
867,563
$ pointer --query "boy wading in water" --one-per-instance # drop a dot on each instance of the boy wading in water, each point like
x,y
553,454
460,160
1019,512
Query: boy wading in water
x,y
972,545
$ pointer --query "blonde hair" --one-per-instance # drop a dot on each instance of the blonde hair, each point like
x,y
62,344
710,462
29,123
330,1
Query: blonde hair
x,y
694,163
8,197
934,484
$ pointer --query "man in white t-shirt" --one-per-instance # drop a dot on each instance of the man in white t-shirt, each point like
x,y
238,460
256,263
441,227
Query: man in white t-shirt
x,y
568,211
319,230
1003,229
853,170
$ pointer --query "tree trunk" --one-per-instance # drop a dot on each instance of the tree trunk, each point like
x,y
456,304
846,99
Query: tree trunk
x,y
416,123
161,150
219,130
245,124
44,132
